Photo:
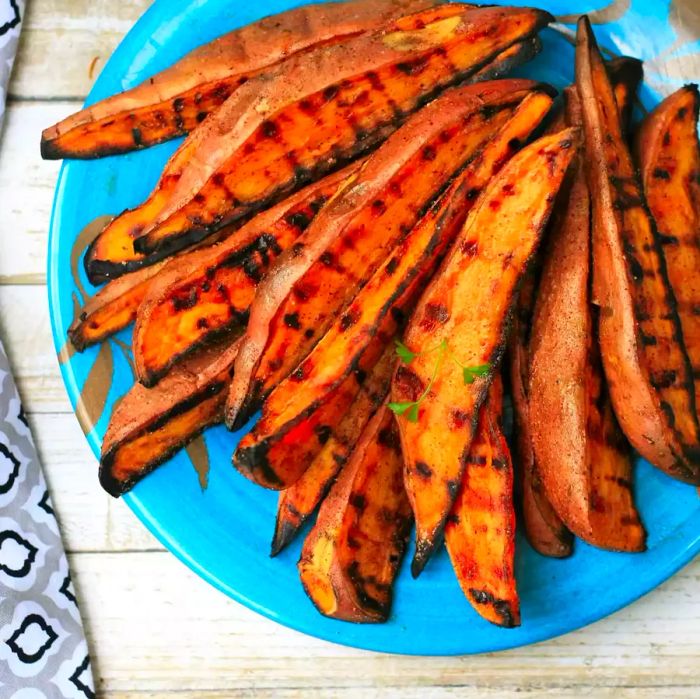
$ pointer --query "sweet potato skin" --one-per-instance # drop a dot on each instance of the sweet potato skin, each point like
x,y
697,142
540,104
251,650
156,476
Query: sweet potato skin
x,y
466,306
580,453
351,556
297,503
150,425
646,363
668,154
543,527
205,294
349,239
322,109
176,100
480,532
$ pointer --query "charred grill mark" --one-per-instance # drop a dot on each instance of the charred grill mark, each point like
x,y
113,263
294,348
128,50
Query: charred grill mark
x,y
291,320
429,153
299,220
413,67
327,259
469,248
270,129
663,379
502,607
183,303
423,470
458,419
349,319
635,266
388,438
668,239
434,315
647,340
409,384
477,460
391,266
661,174
137,137
323,433
358,501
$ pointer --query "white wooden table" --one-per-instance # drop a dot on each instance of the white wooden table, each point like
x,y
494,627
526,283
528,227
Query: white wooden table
x,y
154,628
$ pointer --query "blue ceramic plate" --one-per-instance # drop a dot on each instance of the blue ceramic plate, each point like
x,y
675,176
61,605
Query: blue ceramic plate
x,y
223,532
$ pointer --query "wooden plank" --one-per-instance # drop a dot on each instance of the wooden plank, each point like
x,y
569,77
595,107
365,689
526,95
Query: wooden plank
x,y
90,519
26,191
192,641
65,44
26,334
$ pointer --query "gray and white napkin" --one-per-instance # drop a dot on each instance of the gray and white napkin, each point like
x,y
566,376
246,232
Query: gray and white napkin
x,y
43,653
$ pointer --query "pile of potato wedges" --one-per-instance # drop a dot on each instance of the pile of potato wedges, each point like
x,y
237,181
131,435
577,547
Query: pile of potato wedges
x,y
369,235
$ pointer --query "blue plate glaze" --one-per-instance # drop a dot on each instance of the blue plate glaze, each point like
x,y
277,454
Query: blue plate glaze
x,y
224,532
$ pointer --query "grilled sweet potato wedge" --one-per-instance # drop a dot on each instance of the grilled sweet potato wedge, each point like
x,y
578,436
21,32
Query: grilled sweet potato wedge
x,y
646,363
308,286
669,160
626,74
174,101
462,316
544,529
297,503
580,453
201,295
480,532
390,291
323,108
150,425
111,308
351,556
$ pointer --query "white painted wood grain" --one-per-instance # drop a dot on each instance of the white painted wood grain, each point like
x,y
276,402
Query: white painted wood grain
x,y
26,190
654,644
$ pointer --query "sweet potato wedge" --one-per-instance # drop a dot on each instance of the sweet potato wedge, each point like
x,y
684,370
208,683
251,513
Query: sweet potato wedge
x,y
480,531
646,363
351,556
581,456
150,425
297,503
201,295
310,284
669,160
626,74
543,528
391,290
322,108
111,308
463,317
174,101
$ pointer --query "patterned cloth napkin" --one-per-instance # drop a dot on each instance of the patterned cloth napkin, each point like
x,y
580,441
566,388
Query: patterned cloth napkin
x,y
43,653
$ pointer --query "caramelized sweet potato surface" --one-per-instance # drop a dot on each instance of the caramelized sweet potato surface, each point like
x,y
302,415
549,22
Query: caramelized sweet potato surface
x,y
352,555
203,294
393,288
150,425
174,101
646,363
669,160
480,531
112,308
304,291
463,317
323,108
297,503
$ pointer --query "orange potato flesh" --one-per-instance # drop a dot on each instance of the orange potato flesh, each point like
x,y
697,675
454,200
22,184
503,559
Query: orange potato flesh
x,y
203,294
111,308
466,307
352,555
646,363
354,234
297,503
480,531
393,287
669,159
324,107
279,463
581,455
150,425
174,101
